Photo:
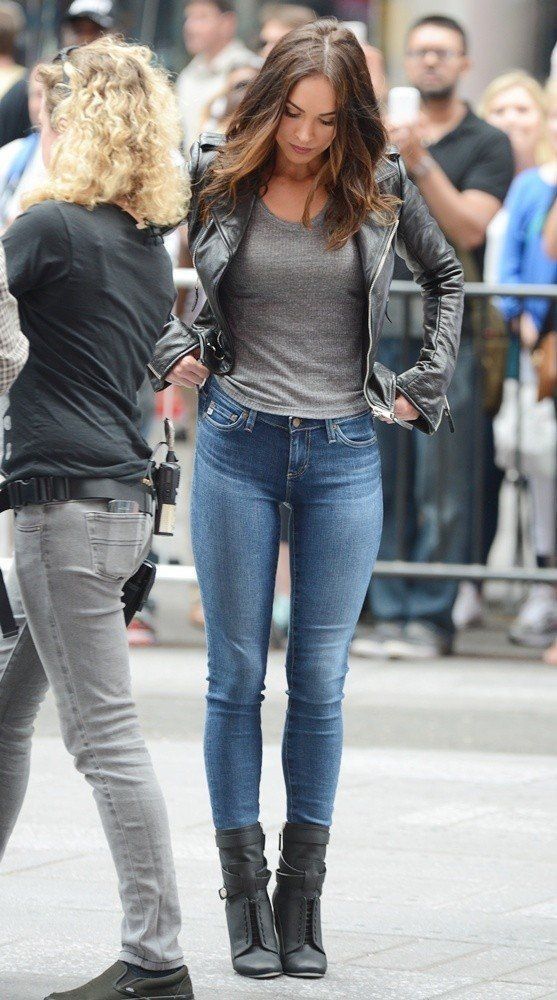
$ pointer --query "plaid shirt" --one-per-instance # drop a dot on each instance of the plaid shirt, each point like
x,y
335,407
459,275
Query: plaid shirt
x,y
14,347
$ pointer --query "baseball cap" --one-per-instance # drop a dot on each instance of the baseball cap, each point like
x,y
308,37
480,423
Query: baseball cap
x,y
98,11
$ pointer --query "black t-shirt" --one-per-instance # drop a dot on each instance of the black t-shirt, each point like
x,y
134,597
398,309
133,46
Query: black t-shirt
x,y
14,113
474,156
94,293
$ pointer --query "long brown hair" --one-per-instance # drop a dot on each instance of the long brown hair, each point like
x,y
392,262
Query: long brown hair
x,y
246,159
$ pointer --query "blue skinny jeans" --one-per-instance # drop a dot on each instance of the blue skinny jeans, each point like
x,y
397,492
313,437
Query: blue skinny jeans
x,y
328,471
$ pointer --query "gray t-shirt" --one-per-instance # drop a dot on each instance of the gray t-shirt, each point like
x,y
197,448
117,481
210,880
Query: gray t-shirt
x,y
297,312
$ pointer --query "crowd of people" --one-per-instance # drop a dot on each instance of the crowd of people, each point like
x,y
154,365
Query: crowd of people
x,y
489,177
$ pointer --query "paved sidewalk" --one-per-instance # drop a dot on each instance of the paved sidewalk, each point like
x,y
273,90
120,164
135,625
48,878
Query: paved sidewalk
x,y
443,864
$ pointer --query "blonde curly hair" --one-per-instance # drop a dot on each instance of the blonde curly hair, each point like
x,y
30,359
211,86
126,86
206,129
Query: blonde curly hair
x,y
118,122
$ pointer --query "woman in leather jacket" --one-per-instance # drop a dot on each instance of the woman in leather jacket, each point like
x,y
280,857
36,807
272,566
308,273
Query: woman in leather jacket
x,y
292,228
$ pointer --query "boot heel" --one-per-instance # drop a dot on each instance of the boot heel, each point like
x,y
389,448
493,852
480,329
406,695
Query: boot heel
x,y
249,917
297,900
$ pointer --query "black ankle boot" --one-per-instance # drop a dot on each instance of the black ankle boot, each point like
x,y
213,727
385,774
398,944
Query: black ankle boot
x,y
249,916
296,899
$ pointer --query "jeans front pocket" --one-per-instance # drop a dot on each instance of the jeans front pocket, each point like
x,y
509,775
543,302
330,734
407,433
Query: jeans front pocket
x,y
224,416
118,542
356,432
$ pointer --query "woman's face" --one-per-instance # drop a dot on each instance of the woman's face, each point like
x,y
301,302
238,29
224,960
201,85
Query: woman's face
x,y
516,112
48,136
308,125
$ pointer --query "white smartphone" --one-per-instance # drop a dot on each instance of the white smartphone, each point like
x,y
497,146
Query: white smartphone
x,y
403,105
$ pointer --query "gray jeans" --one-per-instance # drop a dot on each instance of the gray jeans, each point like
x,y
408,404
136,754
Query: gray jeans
x,y
71,560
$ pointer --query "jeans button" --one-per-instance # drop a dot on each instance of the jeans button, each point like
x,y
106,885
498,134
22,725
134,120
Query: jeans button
x,y
296,422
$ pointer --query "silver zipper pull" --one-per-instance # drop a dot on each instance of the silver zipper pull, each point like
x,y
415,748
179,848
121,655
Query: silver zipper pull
x,y
196,299
449,416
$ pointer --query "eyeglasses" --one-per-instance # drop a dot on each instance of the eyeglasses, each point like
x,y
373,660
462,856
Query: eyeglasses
x,y
62,57
443,55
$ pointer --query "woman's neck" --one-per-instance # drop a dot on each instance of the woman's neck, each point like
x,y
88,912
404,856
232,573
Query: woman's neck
x,y
302,172
126,208
548,172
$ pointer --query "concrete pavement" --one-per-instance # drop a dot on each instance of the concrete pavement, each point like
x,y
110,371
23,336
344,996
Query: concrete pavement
x,y
442,869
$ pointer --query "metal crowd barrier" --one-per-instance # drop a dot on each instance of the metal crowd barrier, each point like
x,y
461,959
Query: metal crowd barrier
x,y
401,567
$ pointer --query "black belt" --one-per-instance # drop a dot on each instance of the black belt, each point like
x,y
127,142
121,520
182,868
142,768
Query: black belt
x,y
56,489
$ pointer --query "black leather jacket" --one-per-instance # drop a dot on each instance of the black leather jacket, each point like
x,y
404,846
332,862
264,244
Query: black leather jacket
x,y
419,241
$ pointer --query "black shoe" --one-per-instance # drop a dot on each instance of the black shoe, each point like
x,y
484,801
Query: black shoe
x,y
118,982
296,899
249,916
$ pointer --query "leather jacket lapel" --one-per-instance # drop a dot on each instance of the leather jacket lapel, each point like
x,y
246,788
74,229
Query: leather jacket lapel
x,y
232,225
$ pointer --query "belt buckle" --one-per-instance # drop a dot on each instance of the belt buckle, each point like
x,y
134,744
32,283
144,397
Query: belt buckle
x,y
23,492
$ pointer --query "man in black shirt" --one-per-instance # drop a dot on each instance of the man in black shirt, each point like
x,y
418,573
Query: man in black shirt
x,y
463,167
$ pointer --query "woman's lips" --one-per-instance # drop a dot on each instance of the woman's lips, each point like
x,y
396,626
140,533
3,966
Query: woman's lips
x,y
300,149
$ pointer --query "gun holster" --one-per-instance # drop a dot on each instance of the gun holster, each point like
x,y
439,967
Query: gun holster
x,y
137,589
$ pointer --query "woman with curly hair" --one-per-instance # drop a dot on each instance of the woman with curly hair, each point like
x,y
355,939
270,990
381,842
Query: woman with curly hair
x,y
292,226
94,285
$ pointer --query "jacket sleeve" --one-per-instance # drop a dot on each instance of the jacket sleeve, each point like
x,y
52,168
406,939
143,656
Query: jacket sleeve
x,y
435,267
177,339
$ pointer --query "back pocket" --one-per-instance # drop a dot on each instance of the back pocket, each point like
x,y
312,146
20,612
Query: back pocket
x,y
117,542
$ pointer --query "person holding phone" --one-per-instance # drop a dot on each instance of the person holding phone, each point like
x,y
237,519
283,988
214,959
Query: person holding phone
x,y
94,286
462,167
292,227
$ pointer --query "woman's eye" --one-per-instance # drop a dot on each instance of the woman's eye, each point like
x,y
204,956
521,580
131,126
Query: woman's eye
x,y
291,114
330,124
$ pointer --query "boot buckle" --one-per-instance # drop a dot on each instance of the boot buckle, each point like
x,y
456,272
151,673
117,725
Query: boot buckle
x,y
223,892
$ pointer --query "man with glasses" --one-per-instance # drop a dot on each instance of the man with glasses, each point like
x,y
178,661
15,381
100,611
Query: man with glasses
x,y
463,168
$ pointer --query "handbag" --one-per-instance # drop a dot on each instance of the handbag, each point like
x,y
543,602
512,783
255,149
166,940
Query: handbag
x,y
525,431
490,335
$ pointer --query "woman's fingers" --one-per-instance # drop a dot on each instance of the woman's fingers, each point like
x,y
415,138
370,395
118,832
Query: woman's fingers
x,y
404,409
188,372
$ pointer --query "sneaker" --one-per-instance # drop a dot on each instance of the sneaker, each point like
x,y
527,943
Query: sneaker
x,y
377,641
118,982
468,608
141,634
422,641
536,623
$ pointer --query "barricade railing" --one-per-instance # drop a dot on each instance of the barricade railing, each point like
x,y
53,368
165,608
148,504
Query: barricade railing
x,y
474,570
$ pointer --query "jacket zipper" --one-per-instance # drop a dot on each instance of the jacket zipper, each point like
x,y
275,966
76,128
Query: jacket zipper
x,y
222,321
196,282
382,260
448,414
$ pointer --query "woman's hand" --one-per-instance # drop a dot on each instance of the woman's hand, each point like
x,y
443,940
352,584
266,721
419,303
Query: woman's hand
x,y
188,371
529,334
404,409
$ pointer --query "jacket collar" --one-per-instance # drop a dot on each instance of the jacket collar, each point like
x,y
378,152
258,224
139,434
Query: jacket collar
x,y
232,225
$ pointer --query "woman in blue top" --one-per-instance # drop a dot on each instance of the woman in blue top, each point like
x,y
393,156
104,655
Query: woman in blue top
x,y
525,261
